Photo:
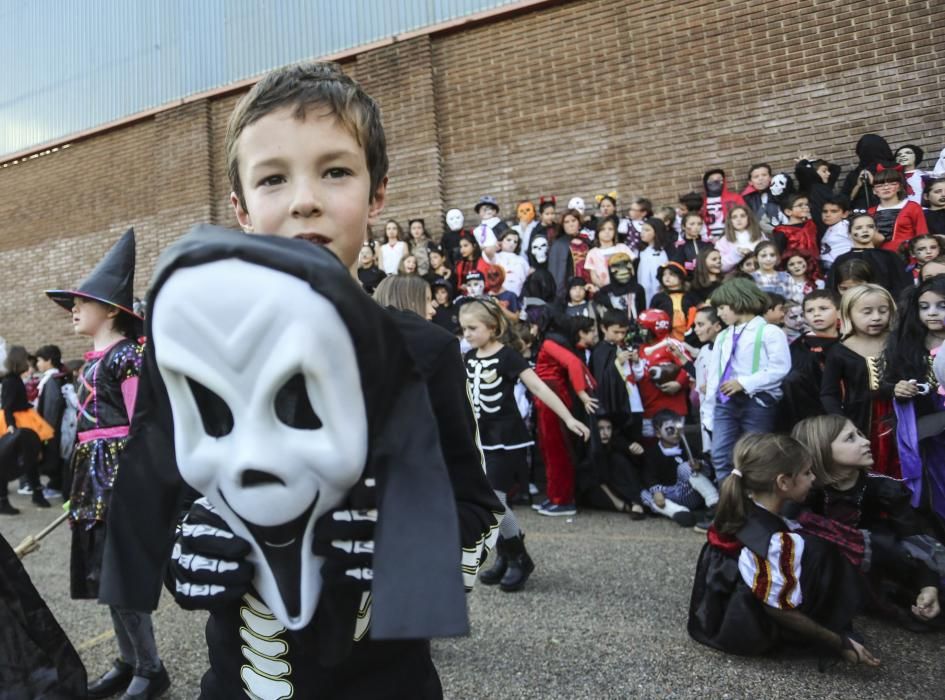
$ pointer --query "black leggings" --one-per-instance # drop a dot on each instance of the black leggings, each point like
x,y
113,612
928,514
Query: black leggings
x,y
19,454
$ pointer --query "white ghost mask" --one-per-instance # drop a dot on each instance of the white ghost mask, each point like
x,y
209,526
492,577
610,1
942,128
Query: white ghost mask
x,y
455,219
539,248
577,203
269,417
778,184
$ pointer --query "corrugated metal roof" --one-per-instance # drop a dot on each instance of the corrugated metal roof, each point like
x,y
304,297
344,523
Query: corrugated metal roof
x,y
70,66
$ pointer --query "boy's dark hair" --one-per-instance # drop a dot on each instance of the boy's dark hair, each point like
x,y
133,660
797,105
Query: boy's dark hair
x,y
711,313
754,167
838,200
820,162
852,269
774,300
52,354
741,295
664,416
18,360
712,171
303,86
613,317
792,199
645,204
692,201
827,294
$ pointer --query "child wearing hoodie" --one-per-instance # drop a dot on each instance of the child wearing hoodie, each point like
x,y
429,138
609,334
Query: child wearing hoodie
x,y
718,202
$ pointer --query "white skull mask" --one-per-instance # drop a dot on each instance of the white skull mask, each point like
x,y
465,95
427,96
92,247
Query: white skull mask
x,y
269,417
577,203
475,288
778,184
540,250
455,219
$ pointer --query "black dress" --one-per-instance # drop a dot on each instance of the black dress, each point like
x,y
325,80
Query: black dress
x,y
801,386
889,270
491,383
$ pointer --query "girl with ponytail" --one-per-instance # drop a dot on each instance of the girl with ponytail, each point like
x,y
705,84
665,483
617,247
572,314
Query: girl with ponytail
x,y
760,584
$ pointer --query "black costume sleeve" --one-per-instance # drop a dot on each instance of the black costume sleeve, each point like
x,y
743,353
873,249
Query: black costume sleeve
x,y
439,360
147,501
892,499
662,302
559,258
8,396
52,406
831,391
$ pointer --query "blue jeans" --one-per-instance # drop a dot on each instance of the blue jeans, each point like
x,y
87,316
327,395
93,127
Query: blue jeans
x,y
739,415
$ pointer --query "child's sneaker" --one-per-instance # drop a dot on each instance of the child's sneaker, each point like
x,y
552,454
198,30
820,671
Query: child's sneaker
x,y
52,493
540,506
553,510
25,490
684,518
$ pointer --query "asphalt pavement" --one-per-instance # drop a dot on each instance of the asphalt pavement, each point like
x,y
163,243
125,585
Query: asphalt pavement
x,y
603,616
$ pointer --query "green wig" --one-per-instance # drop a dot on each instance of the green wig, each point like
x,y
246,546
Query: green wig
x,y
741,295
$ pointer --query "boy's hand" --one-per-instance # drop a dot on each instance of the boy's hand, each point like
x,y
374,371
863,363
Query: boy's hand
x,y
731,387
695,464
208,561
345,537
623,356
670,388
636,448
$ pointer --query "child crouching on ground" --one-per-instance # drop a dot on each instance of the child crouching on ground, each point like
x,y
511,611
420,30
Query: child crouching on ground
x,y
674,485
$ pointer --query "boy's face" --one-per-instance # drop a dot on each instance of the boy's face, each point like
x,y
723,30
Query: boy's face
x,y
486,212
306,178
366,257
442,296
775,316
727,314
937,196
43,364
800,211
794,318
824,172
670,433
821,315
760,179
436,259
615,334
832,214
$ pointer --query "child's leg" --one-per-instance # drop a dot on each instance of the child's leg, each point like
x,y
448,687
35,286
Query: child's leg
x,y
508,525
556,452
668,509
139,636
726,430
126,650
705,488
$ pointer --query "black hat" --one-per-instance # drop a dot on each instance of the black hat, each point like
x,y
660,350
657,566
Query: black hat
x,y
486,200
577,282
111,282
439,283
475,276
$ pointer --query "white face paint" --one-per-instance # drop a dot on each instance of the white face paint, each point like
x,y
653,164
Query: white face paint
x,y
778,184
540,250
455,219
475,288
269,424
576,203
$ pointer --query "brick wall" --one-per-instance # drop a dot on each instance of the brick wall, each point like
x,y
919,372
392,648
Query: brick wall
x,y
573,98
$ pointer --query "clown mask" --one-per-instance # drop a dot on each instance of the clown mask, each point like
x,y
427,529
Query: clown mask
x,y
455,220
526,213
272,434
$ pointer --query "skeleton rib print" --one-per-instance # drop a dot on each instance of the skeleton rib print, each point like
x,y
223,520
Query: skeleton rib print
x,y
484,377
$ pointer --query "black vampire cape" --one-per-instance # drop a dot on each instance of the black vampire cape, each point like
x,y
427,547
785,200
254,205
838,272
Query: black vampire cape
x,y
36,658
417,588
612,396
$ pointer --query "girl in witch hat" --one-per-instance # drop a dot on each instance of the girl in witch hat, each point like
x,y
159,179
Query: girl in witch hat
x,y
102,308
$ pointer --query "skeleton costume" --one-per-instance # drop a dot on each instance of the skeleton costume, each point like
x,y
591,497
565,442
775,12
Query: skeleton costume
x,y
321,474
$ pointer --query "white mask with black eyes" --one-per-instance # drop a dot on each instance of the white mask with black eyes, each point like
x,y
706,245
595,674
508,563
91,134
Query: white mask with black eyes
x,y
455,219
778,184
540,250
269,424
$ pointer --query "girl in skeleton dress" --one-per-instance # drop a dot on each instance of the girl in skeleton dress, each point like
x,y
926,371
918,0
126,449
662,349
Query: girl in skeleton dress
x,y
492,370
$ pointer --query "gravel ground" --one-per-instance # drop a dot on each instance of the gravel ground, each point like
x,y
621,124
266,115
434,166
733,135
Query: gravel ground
x,y
603,616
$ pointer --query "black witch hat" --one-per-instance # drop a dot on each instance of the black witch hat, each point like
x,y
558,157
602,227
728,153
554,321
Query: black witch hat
x,y
111,282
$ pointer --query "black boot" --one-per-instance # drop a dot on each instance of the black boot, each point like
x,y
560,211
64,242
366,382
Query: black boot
x,y
491,577
520,565
39,500
6,508
112,681
158,682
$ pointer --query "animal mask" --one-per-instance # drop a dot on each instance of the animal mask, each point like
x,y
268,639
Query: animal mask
x,y
526,212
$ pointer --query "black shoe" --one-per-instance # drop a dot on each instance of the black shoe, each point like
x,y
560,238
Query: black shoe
x,y
39,500
684,518
520,565
158,682
7,509
107,686
490,577
706,522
